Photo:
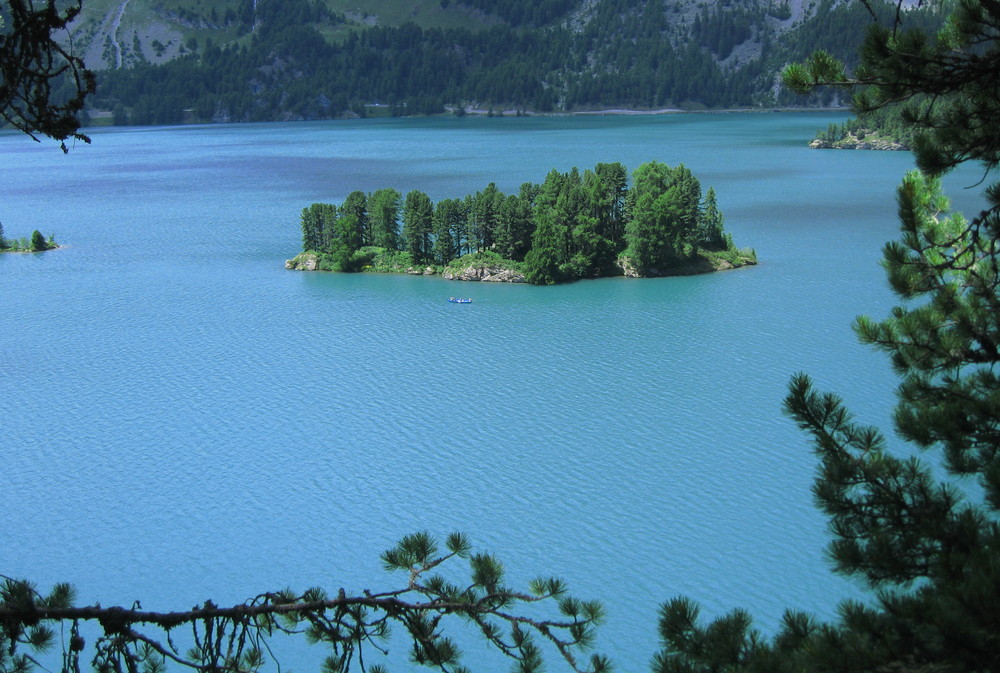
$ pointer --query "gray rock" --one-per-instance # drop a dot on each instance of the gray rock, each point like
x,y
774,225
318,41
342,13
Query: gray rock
x,y
303,262
488,274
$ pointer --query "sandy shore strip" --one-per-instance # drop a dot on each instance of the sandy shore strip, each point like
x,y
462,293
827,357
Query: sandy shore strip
x,y
629,112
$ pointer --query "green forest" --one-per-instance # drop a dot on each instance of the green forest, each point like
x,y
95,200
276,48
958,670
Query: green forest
x,y
573,225
300,60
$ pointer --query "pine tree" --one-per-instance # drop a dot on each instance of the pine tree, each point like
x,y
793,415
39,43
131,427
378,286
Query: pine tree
x,y
38,241
418,214
329,232
610,202
352,627
383,207
344,242
503,236
356,205
544,262
662,211
924,536
449,223
45,84
484,214
314,220
515,224
310,229
711,234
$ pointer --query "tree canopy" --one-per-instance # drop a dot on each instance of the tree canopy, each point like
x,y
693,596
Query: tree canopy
x,y
923,535
44,85
284,63
573,225
354,628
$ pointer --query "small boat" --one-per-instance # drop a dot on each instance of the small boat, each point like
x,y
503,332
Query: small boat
x,y
459,300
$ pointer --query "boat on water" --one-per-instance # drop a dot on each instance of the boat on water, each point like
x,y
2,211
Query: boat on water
x,y
459,300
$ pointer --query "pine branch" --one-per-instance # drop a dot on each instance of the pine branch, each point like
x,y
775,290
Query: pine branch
x,y
228,638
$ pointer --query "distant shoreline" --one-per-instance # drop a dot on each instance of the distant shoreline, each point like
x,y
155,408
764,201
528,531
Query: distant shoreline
x,y
624,112
104,119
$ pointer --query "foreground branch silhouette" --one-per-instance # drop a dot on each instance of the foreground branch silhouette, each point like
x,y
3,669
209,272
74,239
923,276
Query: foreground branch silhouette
x,y
235,639
43,84
922,535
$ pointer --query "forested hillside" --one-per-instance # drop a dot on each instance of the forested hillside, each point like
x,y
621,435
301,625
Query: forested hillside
x,y
173,61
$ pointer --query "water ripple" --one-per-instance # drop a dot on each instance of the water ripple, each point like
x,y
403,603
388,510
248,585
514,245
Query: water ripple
x,y
189,420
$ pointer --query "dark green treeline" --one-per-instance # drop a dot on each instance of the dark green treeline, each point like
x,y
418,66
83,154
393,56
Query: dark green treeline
x,y
632,53
573,225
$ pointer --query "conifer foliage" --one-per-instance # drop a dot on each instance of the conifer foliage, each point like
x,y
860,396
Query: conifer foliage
x,y
353,628
573,225
43,84
924,536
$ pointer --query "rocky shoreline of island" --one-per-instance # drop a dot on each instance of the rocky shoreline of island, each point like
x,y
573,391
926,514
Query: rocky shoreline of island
x,y
487,268
852,141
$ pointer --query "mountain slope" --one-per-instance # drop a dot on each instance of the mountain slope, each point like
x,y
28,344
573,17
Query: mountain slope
x,y
168,61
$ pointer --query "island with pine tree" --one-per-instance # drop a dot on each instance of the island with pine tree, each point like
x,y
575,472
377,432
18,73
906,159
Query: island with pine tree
x,y
572,226
37,242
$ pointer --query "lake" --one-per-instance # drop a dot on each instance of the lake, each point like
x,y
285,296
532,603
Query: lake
x,y
184,419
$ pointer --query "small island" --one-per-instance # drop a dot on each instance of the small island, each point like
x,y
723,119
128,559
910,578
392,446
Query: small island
x,y
572,226
37,242
882,129
857,139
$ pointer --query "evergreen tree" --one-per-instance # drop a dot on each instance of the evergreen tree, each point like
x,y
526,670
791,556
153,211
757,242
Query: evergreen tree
x,y
662,217
710,224
597,235
544,263
352,627
383,207
312,227
574,225
924,536
502,235
591,251
449,227
609,202
461,229
515,224
418,215
484,214
328,216
45,84
344,241
688,208
356,206
38,241
3,240
590,254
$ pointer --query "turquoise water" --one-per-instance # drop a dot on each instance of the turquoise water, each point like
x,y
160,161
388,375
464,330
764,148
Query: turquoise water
x,y
184,419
